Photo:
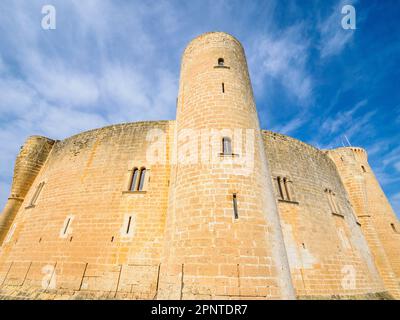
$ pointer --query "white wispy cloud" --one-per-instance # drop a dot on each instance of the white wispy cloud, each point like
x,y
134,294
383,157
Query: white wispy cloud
x,y
284,57
291,126
333,38
342,119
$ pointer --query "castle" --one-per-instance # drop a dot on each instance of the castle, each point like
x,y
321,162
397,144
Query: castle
x,y
139,211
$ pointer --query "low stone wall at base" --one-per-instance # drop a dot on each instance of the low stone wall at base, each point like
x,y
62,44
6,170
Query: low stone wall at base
x,y
368,296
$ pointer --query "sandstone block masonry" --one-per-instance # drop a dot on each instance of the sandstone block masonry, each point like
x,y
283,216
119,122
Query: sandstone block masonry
x,y
94,217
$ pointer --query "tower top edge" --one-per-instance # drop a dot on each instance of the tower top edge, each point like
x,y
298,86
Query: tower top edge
x,y
354,149
213,34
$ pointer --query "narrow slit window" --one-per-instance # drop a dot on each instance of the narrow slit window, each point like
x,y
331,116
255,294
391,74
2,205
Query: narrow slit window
x,y
134,179
285,183
221,62
393,227
36,194
280,191
223,87
226,145
235,209
66,226
363,169
129,224
66,229
141,180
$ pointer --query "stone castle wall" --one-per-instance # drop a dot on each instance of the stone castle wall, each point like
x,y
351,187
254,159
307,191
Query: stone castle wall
x,y
325,245
307,222
87,179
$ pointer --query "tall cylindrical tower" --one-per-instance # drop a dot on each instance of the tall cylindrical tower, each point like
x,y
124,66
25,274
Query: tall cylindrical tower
x,y
223,235
29,161
378,221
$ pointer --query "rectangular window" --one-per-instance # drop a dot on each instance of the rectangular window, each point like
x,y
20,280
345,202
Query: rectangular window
x,y
235,209
394,227
223,87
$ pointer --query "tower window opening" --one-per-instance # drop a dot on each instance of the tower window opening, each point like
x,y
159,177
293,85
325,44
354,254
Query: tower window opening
x,y
394,227
223,87
66,226
235,209
285,183
226,146
221,61
129,224
363,169
36,194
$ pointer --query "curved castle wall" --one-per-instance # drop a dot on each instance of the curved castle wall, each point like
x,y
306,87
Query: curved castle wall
x,y
260,216
86,179
327,251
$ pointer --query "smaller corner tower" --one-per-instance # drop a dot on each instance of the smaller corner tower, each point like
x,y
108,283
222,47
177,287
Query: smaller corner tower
x,y
31,158
379,223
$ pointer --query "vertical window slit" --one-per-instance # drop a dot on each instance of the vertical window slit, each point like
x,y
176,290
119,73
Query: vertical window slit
x,y
223,87
235,209
129,224
280,188
66,226
285,182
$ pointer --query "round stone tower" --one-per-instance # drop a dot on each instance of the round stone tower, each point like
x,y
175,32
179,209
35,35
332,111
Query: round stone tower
x,y
378,221
223,234
29,161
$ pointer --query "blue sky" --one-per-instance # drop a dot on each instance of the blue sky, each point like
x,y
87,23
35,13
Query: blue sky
x,y
118,61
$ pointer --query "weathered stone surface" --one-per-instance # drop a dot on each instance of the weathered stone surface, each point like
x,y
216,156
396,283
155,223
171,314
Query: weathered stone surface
x,y
328,231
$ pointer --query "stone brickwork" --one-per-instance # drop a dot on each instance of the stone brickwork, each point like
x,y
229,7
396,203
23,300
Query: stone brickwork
x,y
324,246
208,253
378,220
87,177
30,160
223,211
